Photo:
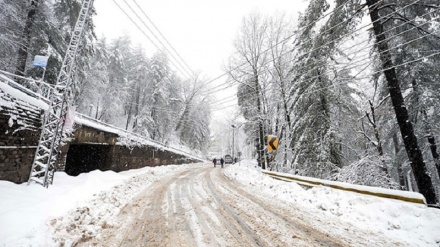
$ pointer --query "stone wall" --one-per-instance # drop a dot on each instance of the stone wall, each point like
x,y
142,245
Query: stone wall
x,y
124,158
84,135
93,149
19,135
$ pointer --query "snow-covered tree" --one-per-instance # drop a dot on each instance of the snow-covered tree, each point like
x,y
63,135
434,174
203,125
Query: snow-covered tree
x,y
12,18
91,98
247,66
320,91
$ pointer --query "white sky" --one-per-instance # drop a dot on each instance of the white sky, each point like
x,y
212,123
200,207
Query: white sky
x,y
202,31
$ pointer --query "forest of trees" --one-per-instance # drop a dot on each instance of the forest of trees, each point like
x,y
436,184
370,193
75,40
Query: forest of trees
x,y
351,88
114,81
349,101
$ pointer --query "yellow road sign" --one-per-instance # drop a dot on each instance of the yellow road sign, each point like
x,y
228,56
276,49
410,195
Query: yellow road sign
x,y
272,143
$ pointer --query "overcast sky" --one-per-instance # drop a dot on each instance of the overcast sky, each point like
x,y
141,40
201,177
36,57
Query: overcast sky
x,y
202,31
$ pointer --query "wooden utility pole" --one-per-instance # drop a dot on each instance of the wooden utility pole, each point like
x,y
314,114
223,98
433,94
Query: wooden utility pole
x,y
406,129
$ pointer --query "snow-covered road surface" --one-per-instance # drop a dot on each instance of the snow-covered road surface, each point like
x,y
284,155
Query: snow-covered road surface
x,y
202,207
199,205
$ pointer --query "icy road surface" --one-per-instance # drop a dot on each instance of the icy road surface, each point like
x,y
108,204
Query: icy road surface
x,y
201,206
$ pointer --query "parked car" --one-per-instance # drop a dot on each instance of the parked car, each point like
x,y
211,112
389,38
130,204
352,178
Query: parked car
x,y
228,159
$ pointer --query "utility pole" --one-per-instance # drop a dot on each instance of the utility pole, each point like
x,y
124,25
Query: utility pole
x,y
233,143
234,126
43,168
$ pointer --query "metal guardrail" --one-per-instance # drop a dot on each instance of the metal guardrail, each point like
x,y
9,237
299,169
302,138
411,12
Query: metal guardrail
x,y
357,189
34,88
128,133
18,147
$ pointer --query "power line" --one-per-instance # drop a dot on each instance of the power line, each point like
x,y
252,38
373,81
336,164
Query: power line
x,y
351,79
357,44
166,40
367,56
169,52
286,39
142,31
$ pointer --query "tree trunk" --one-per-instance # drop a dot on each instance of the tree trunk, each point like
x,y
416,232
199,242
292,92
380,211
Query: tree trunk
x,y
373,123
26,38
136,107
432,144
287,124
426,127
435,155
406,129
260,148
183,117
399,165
129,116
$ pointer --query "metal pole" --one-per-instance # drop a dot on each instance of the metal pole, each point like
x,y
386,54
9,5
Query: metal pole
x,y
233,143
44,73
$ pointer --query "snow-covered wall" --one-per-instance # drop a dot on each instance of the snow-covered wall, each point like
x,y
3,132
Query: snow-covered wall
x,y
91,148
21,112
20,119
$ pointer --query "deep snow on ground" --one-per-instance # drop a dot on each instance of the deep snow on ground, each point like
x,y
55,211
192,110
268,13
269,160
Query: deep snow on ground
x,y
36,216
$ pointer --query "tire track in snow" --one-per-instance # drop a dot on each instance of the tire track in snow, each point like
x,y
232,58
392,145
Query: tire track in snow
x,y
313,227
202,207
275,228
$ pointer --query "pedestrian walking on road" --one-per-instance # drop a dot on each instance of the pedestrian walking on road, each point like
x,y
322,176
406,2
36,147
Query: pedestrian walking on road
x,y
222,161
214,161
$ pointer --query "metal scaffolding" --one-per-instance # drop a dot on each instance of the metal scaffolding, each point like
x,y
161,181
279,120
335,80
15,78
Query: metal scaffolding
x,y
43,167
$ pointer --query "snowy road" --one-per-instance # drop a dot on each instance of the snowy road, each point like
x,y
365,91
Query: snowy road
x,y
203,207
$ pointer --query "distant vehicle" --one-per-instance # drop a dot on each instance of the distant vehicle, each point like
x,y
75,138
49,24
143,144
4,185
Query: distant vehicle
x,y
228,159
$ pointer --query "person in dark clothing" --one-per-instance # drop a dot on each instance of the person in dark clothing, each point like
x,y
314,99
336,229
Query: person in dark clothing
x,y
214,161
222,161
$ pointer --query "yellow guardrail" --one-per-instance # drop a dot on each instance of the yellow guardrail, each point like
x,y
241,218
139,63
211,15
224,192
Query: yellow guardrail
x,y
366,190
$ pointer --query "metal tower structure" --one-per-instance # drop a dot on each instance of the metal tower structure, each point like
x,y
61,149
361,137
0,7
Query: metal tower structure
x,y
43,167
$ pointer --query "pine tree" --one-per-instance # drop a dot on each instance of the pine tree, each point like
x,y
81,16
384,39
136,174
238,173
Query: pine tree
x,y
91,98
318,94
12,19
249,50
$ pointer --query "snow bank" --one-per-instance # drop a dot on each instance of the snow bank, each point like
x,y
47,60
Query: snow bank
x,y
25,210
369,190
416,224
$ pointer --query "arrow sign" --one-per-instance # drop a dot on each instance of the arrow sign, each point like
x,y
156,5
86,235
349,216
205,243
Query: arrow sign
x,y
272,143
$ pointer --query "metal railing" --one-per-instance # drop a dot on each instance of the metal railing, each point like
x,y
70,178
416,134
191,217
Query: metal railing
x,y
35,88
366,190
